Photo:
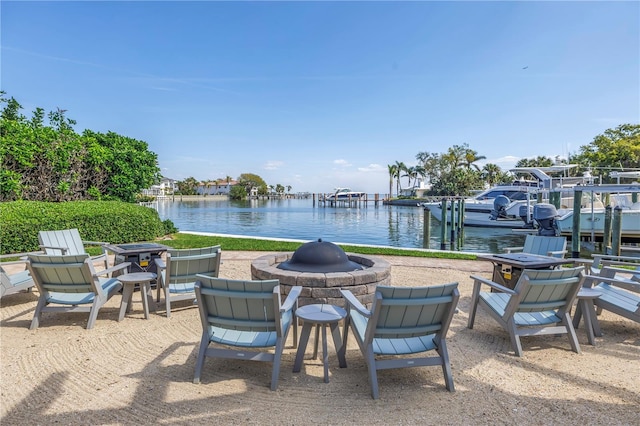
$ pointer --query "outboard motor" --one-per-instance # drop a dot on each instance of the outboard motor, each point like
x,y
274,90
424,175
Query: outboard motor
x,y
499,207
525,213
545,216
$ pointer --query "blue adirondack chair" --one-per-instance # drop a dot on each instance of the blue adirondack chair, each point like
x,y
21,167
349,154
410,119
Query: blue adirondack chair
x,y
543,245
17,281
619,290
70,283
247,316
403,321
68,241
178,275
540,303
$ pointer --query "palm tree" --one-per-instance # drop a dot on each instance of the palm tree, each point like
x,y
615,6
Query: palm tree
x,y
400,168
470,157
393,170
491,173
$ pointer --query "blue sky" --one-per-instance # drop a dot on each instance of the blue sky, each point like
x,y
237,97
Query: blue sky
x,y
324,94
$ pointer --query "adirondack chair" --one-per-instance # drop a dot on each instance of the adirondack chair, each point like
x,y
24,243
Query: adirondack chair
x,y
602,260
245,315
14,282
540,303
68,241
71,283
403,321
543,245
620,293
177,277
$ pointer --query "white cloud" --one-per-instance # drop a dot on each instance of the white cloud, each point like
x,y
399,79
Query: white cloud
x,y
373,168
273,165
341,163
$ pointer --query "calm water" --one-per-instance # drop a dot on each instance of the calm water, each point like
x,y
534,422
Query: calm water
x,y
298,219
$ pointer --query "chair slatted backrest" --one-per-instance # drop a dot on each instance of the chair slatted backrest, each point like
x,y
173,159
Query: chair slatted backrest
x,y
543,245
401,312
540,290
240,305
184,265
68,238
63,274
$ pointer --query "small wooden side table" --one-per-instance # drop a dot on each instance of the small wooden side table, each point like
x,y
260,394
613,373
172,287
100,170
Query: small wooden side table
x,y
129,282
585,308
320,315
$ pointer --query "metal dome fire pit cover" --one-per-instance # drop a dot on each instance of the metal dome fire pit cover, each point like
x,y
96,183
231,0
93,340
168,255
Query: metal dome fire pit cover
x,y
320,256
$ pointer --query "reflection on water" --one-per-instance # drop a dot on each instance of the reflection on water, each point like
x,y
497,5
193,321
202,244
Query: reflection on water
x,y
298,219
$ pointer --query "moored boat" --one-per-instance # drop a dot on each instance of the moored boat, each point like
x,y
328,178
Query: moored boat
x,y
345,194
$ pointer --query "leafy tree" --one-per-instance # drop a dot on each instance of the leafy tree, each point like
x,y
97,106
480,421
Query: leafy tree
x,y
493,174
539,161
237,192
54,163
189,186
615,149
279,188
249,181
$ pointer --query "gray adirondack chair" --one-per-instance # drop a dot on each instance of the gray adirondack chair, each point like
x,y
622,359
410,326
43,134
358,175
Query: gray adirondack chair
x,y
68,241
403,321
247,317
14,283
620,293
543,245
177,277
71,283
539,304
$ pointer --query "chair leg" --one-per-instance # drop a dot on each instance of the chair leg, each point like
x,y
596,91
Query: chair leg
x,y
204,343
573,338
93,314
277,357
474,305
446,365
167,301
373,373
35,322
515,339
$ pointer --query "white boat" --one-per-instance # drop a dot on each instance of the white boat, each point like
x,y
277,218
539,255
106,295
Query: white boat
x,y
592,218
345,194
510,206
478,210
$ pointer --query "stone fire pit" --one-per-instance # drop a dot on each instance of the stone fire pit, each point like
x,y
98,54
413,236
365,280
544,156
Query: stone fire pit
x,y
324,287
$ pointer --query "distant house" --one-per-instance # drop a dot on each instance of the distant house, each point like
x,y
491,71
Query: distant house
x,y
216,188
417,190
165,188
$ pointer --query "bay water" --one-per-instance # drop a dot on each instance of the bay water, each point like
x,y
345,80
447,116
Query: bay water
x,y
299,219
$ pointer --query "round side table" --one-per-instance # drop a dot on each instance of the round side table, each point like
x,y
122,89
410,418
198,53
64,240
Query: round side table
x,y
320,315
129,282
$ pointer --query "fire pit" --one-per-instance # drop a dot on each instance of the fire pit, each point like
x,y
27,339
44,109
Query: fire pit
x,y
322,269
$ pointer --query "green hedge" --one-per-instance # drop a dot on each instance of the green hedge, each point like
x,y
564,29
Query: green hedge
x,y
112,221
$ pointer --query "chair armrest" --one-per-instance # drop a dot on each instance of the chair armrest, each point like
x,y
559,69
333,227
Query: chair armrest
x,y
63,249
491,284
626,284
117,267
355,303
291,299
551,253
513,249
22,257
160,263
94,243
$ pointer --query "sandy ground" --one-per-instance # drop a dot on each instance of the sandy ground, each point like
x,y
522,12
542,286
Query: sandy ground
x,y
140,371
